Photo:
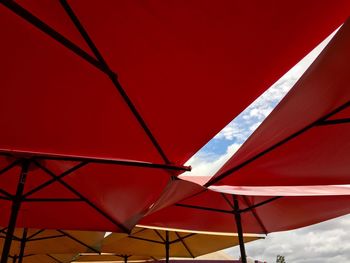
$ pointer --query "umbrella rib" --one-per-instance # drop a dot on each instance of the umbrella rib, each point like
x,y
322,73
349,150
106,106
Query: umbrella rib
x,y
78,241
83,32
54,179
9,167
333,122
14,237
35,234
3,230
184,237
276,145
257,218
55,259
48,237
86,200
228,201
52,200
160,236
117,162
260,204
114,78
204,208
146,239
6,194
184,244
139,231
35,21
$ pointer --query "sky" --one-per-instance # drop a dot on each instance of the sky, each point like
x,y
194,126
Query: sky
x,y
322,243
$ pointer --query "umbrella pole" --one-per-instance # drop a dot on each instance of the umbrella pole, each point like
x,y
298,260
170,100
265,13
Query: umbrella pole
x,y
239,229
16,204
23,244
125,259
167,246
14,259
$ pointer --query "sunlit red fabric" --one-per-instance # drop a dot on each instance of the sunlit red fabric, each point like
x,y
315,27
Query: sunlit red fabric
x,y
317,153
180,63
283,213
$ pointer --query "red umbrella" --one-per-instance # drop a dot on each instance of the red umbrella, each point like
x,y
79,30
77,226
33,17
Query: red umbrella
x,y
82,143
205,210
305,140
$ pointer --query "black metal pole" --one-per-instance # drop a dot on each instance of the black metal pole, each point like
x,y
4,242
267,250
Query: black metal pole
x,y
23,245
14,259
16,204
239,229
167,246
125,259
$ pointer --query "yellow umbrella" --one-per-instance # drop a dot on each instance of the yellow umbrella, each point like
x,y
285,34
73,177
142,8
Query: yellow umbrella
x,y
109,257
29,242
162,243
47,258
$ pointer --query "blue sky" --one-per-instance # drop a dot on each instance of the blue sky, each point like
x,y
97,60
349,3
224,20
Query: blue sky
x,y
230,138
321,243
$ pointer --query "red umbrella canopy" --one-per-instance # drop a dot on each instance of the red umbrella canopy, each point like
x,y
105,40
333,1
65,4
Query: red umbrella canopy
x,y
173,58
61,97
305,140
206,210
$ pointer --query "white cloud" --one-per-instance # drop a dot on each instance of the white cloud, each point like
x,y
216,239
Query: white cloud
x,y
233,131
202,167
325,242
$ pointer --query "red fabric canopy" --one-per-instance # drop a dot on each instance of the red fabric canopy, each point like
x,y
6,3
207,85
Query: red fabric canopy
x,y
94,197
179,63
305,140
212,211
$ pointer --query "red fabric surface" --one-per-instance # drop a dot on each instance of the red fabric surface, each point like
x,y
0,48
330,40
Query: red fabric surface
x,y
175,191
320,154
180,62
116,190
285,213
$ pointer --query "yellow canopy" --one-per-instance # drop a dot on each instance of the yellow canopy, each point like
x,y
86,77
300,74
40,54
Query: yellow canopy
x,y
53,242
150,243
47,258
111,258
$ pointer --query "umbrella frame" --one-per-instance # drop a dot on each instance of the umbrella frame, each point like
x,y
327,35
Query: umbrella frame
x,y
34,158
236,212
25,238
166,242
19,197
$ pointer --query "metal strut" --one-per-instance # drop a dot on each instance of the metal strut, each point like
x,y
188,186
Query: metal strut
x,y
237,215
16,204
167,246
23,245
